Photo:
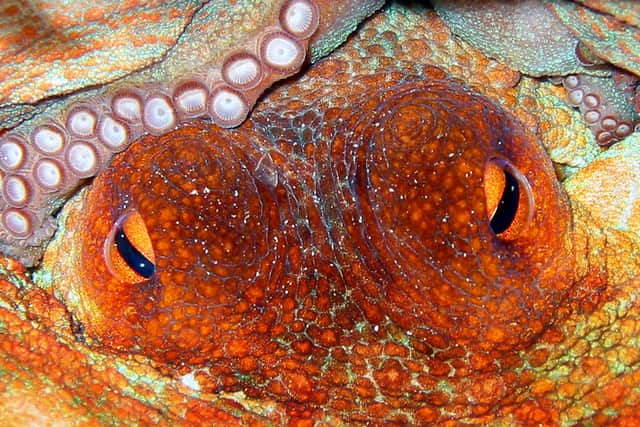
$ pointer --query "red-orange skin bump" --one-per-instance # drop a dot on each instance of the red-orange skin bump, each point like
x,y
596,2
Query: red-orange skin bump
x,y
328,272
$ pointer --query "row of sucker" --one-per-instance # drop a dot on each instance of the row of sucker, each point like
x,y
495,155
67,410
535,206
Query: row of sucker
x,y
41,168
609,120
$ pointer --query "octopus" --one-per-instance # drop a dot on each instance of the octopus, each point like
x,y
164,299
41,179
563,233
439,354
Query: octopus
x,y
383,240
553,39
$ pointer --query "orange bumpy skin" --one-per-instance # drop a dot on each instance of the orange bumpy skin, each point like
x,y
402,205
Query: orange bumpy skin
x,y
316,271
80,387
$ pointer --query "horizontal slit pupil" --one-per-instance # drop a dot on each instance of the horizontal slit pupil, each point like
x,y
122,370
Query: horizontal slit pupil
x,y
507,208
132,256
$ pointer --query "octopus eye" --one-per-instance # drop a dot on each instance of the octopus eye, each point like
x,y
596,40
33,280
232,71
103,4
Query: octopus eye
x,y
128,250
509,199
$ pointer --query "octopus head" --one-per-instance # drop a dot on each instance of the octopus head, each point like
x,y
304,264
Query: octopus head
x,y
420,211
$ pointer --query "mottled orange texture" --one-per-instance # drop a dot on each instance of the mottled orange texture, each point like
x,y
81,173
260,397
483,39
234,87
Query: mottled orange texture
x,y
414,212
340,272
69,388
321,351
